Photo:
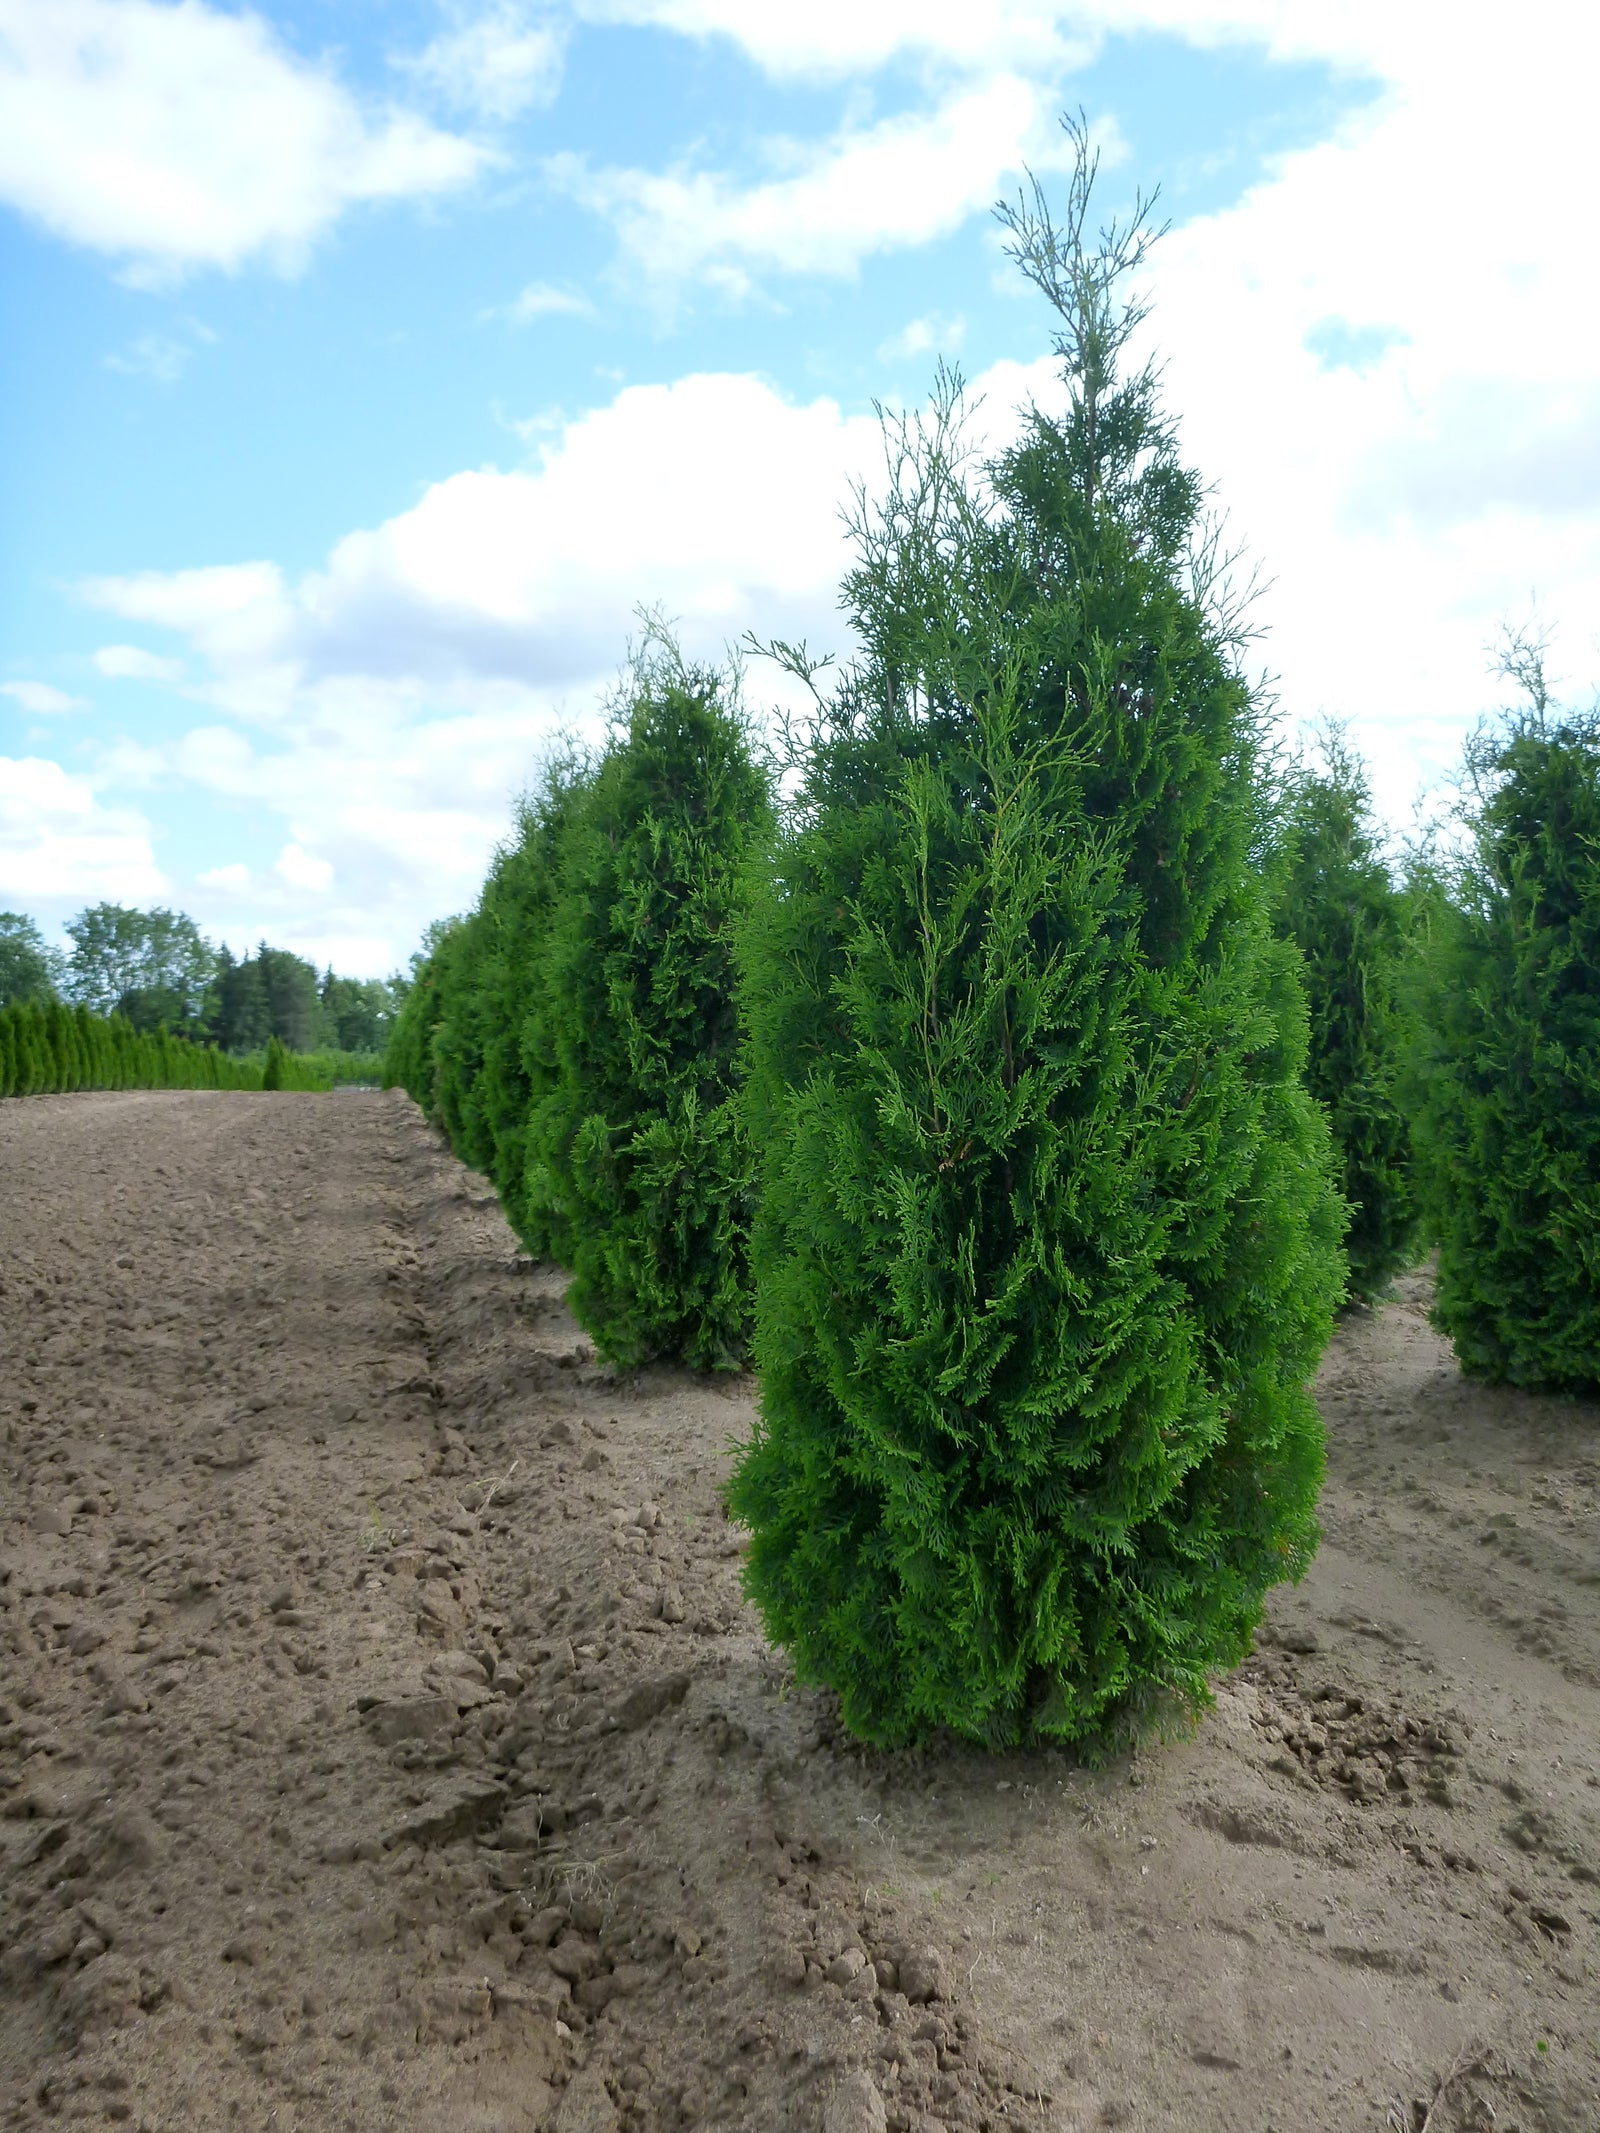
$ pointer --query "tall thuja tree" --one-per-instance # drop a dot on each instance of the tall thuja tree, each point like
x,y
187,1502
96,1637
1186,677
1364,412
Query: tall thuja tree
x,y
1510,1071
1046,1248
515,1070
636,1154
1341,908
486,977
456,1044
408,1052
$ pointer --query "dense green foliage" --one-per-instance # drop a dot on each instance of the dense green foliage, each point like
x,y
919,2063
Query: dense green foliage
x,y
1341,908
334,1069
152,967
55,1049
489,1059
408,1054
275,993
1510,1120
28,969
271,994
1046,1248
575,1038
636,1152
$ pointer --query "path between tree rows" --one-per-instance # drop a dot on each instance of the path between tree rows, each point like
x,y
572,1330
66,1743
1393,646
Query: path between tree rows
x,y
384,1742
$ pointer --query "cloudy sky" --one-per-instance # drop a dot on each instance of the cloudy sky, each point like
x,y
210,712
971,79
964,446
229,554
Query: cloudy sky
x,y
369,363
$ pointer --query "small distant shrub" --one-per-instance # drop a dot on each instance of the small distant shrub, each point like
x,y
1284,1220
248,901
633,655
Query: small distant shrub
x,y
334,1069
408,1055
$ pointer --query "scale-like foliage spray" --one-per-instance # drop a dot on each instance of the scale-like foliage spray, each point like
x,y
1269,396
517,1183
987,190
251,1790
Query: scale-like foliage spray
x,y
1047,1247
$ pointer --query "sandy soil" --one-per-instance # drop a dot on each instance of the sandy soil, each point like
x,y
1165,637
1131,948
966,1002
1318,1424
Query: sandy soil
x,y
384,1741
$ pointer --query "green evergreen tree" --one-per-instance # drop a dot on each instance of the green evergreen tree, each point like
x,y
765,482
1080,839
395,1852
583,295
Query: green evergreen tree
x,y
61,1037
1510,1072
36,1073
92,1036
238,1013
294,1011
275,1068
408,1056
636,1155
1047,1247
456,1045
1341,908
491,1072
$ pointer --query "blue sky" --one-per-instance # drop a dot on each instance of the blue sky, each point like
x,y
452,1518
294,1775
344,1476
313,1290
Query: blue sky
x,y
367,365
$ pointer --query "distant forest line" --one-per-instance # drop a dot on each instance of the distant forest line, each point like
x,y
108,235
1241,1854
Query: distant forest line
x,y
157,971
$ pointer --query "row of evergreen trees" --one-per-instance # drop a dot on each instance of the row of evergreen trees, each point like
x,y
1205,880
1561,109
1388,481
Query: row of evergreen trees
x,y
53,1050
1456,1034
990,1094
158,971
576,1037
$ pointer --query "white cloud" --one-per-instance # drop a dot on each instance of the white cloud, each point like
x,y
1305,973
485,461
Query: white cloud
x,y
60,848
496,65
387,707
233,611
1383,355
176,137
530,578
540,300
152,355
828,39
924,336
230,880
832,204
40,699
130,662
301,870
834,37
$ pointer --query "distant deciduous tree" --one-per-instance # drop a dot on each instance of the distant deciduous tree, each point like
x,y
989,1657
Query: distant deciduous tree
x,y
28,969
152,966
356,1012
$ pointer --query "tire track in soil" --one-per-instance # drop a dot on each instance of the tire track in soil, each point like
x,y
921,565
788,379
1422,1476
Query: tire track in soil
x,y
384,1740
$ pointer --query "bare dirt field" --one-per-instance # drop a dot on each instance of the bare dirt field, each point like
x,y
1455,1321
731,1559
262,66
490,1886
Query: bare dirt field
x,y
384,1742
